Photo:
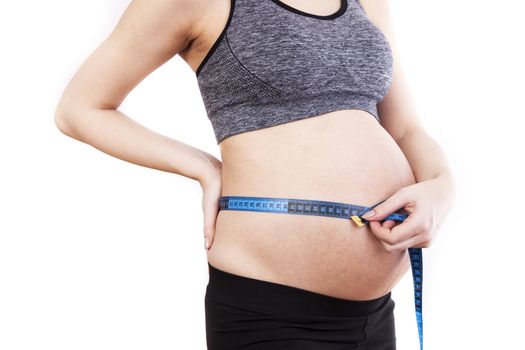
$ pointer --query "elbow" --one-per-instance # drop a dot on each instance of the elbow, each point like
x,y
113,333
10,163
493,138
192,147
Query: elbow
x,y
62,124
63,120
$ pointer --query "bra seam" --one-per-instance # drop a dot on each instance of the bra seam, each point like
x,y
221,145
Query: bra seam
x,y
249,71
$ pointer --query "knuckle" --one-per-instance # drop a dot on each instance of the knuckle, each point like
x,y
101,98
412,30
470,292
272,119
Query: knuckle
x,y
426,236
391,240
425,244
422,227
427,241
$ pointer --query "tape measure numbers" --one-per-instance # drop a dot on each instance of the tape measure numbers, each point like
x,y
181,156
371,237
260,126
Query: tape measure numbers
x,y
336,210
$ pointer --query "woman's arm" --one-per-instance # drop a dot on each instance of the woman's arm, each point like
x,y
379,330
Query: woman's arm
x,y
398,114
431,198
148,34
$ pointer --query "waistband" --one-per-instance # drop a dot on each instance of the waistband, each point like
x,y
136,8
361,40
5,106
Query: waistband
x,y
279,298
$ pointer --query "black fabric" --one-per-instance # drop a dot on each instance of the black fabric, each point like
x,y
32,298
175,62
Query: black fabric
x,y
252,314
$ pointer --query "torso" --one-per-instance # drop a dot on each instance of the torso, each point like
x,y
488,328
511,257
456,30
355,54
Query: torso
x,y
343,156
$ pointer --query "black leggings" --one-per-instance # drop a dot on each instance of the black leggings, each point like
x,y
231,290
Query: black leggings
x,y
253,314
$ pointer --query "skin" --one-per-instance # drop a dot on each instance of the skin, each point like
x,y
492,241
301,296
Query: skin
x,y
397,159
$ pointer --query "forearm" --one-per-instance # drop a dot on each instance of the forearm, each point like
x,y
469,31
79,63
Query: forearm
x,y
114,133
426,158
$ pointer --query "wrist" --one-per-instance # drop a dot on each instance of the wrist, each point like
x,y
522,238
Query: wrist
x,y
210,172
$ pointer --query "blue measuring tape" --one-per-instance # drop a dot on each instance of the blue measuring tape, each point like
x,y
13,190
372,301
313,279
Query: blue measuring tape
x,y
336,210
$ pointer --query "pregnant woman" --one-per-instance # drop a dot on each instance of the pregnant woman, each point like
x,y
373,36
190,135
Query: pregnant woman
x,y
311,112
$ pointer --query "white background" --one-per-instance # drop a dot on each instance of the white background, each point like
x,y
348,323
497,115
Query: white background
x,y
98,253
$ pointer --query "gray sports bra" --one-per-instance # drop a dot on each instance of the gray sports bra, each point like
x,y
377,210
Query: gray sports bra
x,y
274,64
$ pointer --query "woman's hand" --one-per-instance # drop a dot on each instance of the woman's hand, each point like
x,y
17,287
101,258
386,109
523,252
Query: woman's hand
x,y
211,192
428,203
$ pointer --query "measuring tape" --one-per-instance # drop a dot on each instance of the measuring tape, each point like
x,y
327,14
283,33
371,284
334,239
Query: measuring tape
x,y
336,210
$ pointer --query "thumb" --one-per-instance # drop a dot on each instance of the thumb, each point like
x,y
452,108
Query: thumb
x,y
386,207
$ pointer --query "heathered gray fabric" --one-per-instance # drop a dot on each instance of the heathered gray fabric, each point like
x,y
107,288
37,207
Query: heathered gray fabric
x,y
272,66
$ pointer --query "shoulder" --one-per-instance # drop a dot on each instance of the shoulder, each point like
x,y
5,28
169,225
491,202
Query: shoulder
x,y
166,19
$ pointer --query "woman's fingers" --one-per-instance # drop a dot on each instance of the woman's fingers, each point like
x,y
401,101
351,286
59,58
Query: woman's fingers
x,y
399,199
393,235
210,215
389,224
210,208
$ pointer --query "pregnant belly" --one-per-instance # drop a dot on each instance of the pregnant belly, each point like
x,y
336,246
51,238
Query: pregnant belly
x,y
342,156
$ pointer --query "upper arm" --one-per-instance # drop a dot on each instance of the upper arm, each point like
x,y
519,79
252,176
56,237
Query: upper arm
x,y
148,34
397,111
